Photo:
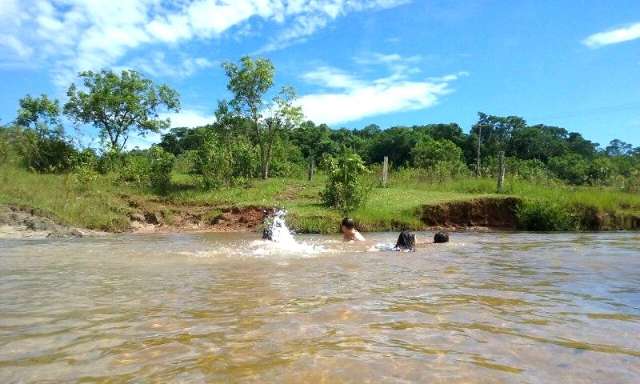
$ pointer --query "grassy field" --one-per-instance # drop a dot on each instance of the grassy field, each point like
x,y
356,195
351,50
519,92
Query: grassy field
x,y
104,203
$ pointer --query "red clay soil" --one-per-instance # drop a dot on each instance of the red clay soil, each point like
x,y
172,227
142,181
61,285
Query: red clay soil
x,y
163,217
497,213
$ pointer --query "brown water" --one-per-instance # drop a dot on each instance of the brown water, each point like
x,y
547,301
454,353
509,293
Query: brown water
x,y
487,308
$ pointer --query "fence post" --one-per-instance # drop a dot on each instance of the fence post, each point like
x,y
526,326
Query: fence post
x,y
312,168
501,171
385,171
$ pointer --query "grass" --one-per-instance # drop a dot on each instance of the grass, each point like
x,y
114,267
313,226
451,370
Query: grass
x,y
104,203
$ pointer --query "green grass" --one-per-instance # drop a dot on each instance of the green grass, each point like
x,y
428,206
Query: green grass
x,y
104,204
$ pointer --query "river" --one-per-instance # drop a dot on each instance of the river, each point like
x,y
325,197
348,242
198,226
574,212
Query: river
x,y
195,308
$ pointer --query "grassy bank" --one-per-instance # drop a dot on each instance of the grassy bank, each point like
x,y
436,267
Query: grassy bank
x,y
106,204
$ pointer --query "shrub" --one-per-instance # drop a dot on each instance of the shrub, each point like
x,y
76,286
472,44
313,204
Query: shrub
x,y
427,153
213,163
345,189
571,168
543,215
135,169
46,154
84,176
160,167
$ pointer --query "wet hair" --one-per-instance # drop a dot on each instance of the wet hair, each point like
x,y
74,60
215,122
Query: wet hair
x,y
267,234
441,237
348,223
406,241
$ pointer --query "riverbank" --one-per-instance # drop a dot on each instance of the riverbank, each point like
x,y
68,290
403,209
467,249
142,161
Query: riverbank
x,y
105,204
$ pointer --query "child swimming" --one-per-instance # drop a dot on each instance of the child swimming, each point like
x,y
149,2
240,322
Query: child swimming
x,y
349,231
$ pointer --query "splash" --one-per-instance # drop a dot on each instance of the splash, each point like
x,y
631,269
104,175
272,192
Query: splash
x,y
280,240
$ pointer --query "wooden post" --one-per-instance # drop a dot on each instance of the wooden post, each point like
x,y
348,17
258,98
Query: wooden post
x,y
501,171
478,151
385,171
312,168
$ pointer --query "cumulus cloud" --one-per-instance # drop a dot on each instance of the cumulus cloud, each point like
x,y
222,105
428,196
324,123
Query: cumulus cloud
x,y
189,118
614,36
75,35
348,98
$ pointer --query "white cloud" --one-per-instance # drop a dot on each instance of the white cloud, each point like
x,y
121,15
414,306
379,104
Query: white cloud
x,y
349,98
75,35
189,118
159,65
613,36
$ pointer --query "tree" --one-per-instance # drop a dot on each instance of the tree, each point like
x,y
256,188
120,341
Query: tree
x,y
249,81
40,114
345,189
618,148
116,104
429,152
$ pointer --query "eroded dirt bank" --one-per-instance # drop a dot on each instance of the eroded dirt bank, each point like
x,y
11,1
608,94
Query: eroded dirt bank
x,y
499,213
161,216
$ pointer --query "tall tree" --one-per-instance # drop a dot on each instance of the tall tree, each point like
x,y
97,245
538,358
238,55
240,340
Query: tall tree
x,y
116,104
249,81
40,114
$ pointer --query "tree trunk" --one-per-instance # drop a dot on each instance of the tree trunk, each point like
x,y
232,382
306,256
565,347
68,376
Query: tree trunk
x,y
478,153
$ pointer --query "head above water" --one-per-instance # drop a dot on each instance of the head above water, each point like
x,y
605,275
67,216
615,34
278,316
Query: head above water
x,y
347,224
406,241
441,237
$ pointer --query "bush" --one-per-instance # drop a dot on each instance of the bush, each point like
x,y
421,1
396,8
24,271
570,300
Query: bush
x,y
345,189
135,169
571,168
543,215
46,154
160,167
427,153
213,163
84,176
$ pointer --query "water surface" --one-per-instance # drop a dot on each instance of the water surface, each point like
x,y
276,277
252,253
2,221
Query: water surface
x,y
192,308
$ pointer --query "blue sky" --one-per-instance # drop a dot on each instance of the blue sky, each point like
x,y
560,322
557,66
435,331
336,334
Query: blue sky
x,y
570,63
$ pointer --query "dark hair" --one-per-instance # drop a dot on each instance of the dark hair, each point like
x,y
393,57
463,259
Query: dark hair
x,y
406,240
441,237
349,223
267,234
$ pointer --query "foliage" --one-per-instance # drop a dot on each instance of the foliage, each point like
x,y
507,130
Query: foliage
x,y
249,81
118,103
572,168
345,189
429,152
40,114
541,215
160,167
44,153
213,163
135,170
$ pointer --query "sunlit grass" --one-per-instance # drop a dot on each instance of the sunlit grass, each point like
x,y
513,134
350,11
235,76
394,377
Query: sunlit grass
x,y
103,204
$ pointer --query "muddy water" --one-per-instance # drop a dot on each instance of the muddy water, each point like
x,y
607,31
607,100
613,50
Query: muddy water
x,y
487,308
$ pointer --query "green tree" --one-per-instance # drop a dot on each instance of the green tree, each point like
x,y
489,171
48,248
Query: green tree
x,y
429,152
116,104
161,165
345,189
40,114
249,82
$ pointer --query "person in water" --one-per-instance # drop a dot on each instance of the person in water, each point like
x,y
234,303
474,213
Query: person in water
x,y
349,231
407,240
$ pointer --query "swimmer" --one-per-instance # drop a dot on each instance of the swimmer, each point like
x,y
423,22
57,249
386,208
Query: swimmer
x,y
349,231
406,241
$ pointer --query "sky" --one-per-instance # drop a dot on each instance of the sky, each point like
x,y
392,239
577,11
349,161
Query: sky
x,y
569,63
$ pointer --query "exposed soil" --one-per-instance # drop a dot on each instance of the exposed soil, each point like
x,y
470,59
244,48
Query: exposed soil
x,y
162,216
499,213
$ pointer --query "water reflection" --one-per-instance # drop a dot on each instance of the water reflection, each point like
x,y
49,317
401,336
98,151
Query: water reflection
x,y
217,307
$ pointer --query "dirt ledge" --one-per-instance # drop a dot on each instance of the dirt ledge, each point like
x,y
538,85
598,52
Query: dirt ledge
x,y
489,212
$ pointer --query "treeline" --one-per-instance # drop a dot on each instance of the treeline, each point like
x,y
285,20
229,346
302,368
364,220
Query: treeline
x,y
257,137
